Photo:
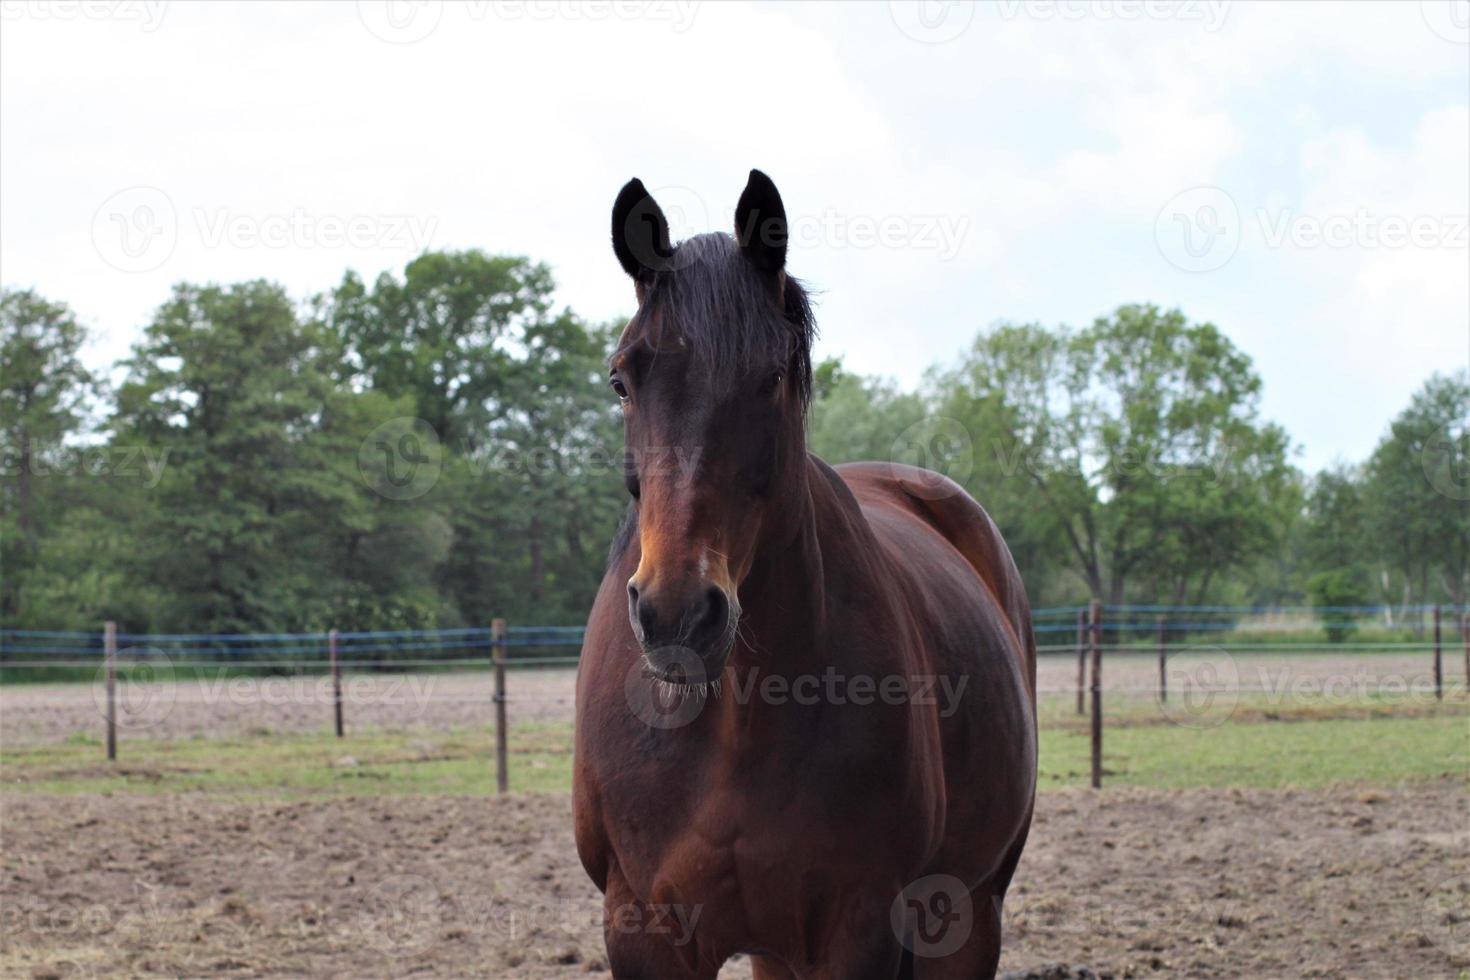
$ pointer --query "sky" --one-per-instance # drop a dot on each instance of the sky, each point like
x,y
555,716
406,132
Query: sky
x,y
1297,174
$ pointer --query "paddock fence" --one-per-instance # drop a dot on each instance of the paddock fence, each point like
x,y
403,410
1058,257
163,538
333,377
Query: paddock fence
x,y
1192,654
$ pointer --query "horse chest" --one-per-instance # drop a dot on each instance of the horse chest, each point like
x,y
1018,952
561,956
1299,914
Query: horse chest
x,y
695,819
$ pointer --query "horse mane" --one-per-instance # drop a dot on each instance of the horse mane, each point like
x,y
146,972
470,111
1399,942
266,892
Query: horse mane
x,y
720,305
627,531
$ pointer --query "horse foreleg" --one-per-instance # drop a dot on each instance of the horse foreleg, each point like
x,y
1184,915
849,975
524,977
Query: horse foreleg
x,y
978,957
861,945
635,951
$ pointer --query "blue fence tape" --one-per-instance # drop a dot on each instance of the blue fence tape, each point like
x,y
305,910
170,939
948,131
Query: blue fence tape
x,y
1145,626
316,648
10,632
89,651
374,634
478,637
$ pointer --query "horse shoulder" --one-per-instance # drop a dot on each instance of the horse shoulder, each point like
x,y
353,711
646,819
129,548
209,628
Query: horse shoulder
x,y
946,507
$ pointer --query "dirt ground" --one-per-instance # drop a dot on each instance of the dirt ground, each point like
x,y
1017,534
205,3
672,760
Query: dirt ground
x,y
1201,883
31,713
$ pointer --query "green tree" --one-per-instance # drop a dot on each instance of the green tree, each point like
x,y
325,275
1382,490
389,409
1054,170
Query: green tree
x,y
379,550
1136,443
443,334
1334,593
539,490
252,473
1415,493
1007,394
858,418
232,386
45,394
517,394
1275,575
825,375
1336,535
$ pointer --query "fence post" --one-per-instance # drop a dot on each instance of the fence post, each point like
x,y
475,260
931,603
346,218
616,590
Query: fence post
x,y
1163,662
1465,638
1438,660
1081,660
1096,615
336,679
497,644
109,640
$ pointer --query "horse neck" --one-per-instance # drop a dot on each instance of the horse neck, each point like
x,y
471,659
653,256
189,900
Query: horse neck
x,y
784,597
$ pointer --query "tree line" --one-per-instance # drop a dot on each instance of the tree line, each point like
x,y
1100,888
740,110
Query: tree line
x,y
438,447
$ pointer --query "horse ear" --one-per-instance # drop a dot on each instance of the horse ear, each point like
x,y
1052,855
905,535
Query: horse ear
x,y
640,233
760,224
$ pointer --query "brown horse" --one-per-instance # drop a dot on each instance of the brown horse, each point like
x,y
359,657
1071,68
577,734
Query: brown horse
x,y
806,707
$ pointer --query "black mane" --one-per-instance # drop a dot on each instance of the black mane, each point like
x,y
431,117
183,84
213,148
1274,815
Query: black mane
x,y
627,531
721,307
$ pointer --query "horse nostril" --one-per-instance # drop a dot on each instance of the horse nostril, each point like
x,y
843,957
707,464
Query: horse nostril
x,y
649,621
641,613
715,608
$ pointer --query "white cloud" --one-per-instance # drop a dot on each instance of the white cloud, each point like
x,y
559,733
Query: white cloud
x,y
1047,144
1394,310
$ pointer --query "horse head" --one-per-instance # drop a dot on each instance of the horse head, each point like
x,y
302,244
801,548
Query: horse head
x,y
714,376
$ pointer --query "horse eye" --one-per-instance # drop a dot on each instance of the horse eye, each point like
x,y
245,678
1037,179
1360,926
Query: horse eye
x,y
772,383
620,388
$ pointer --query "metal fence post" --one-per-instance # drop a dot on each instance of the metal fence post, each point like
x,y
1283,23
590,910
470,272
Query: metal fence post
x,y
336,679
1438,660
1081,661
1163,662
109,640
1096,615
497,643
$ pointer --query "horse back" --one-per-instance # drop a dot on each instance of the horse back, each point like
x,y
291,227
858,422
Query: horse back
x,y
899,500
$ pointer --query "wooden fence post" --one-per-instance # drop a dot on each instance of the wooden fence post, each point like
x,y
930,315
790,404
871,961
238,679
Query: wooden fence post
x,y
497,643
1081,660
1438,660
1096,615
109,653
336,679
1465,638
1163,662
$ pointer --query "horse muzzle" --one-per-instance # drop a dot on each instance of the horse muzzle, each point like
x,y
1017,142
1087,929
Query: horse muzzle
x,y
686,638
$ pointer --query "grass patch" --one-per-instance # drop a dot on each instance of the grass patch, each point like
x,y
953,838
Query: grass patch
x,y
1306,754
1135,710
368,763
1305,751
